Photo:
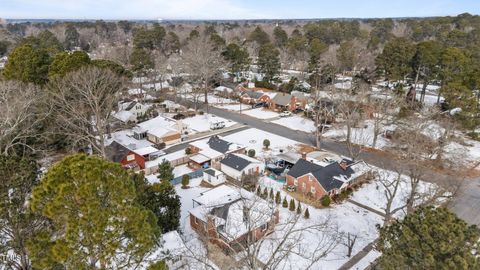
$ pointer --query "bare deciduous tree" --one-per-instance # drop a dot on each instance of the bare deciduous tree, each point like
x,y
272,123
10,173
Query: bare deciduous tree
x,y
83,103
202,62
20,115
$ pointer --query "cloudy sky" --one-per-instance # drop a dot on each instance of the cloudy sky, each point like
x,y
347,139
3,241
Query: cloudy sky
x,y
231,9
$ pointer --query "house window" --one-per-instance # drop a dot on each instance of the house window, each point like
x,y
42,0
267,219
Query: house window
x,y
295,182
131,157
304,185
313,190
263,227
195,220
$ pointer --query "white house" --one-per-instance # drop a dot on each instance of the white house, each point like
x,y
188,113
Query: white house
x,y
213,177
130,111
236,165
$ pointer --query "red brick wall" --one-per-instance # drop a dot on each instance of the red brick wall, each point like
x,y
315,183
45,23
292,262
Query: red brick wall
x,y
138,160
309,182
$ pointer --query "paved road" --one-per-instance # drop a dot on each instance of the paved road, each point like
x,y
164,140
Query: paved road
x,y
465,204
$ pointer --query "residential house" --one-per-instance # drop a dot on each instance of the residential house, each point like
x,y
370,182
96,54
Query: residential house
x,y
160,130
131,158
213,177
224,91
238,165
208,152
319,178
253,97
232,218
130,111
283,102
301,99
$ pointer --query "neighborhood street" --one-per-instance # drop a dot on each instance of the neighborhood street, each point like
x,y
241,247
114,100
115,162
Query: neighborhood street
x,y
464,203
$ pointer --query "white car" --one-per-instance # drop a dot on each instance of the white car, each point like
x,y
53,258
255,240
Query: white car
x,y
285,114
217,125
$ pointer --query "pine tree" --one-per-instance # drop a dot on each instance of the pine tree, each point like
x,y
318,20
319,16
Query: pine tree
x,y
94,216
278,198
272,196
292,205
285,202
429,238
306,214
299,208
165,171
185,180
265,193
259,191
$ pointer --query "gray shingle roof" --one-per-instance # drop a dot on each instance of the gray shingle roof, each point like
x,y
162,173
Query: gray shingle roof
x,y
218,144
282,99
324,175
235,162
252,94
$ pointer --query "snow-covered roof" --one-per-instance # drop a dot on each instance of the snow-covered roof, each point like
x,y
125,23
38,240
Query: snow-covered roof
x,y
167,157
223,89
146,150
208,152
199,158
124,116
228,207
158,126
136,91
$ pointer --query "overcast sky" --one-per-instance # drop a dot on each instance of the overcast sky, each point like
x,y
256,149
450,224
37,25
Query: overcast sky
x,y
231,9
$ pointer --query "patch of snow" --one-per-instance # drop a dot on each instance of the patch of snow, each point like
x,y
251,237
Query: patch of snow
x,y
201,123
296,122
181,170
261,113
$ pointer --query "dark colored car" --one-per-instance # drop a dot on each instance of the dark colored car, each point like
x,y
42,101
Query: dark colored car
x,y
259,105
298,110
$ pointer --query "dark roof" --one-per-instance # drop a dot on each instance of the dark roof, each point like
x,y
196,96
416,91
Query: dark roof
x,y
210,172
252,94
218,144
131,105
116,152
324,175
235,162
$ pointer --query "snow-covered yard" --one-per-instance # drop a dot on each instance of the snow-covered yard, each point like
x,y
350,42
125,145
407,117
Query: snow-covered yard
x,y
342,219
261,113
201,123
253,139
234,107
360,136
296,122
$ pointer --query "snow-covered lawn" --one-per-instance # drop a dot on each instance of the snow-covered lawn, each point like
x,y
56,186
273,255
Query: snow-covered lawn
x,y
469,152
234,107
201,123
261,113
344,218
253,139
186,196
296,122
360,136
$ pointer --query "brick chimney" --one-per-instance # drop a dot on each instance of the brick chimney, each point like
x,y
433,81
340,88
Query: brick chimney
x,y
343,164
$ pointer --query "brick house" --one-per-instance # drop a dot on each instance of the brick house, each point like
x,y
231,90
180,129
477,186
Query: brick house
x,y
232,218
131,159
320,178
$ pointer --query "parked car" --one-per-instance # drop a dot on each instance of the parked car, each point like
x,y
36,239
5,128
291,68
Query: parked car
x,y
285,114
298,110
217,125
259,105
